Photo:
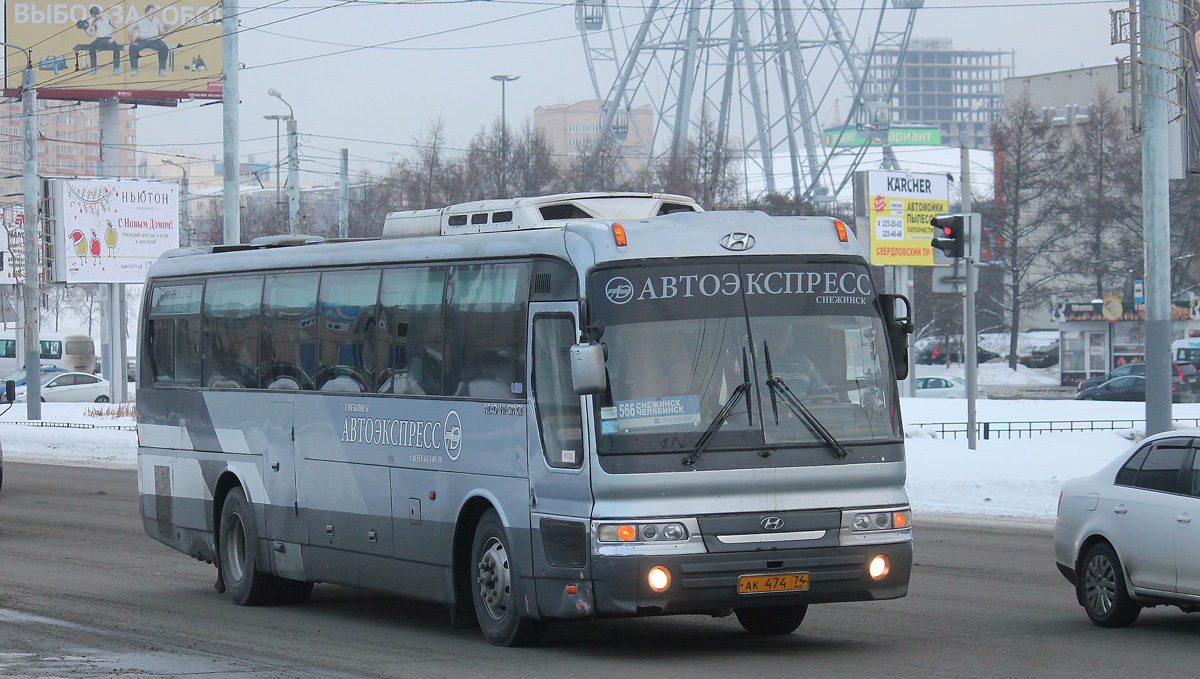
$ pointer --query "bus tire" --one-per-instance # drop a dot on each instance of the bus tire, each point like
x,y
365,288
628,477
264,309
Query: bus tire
x,y
245,584
494,585
771,620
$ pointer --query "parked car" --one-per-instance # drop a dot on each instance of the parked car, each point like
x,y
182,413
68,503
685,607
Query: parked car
x,y
940,386
1184,372
1042,357
1133,388
71,386
18,376
943,353
1125,538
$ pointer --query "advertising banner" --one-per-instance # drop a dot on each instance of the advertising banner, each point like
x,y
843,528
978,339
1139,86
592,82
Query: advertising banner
x,y
908,135
111,230
131,49
12,244
1191,103
900,205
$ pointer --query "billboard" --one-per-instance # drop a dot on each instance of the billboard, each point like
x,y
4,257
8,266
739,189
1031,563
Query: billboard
x,y
133,50
12,244
900,205
907,135
1191,103
111,230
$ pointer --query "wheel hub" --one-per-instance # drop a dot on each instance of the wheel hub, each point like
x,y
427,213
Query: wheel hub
x,y
494,578
1100,585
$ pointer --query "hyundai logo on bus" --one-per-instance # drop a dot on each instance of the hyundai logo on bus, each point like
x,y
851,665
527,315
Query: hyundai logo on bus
x,y
771,523
737,241
829,287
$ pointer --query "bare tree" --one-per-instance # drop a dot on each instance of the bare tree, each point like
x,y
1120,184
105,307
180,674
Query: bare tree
x,y
1027,211
1102,201
56,300
85,302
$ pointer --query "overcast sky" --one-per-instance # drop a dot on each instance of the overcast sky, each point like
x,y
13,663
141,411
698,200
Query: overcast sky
x,y
440,57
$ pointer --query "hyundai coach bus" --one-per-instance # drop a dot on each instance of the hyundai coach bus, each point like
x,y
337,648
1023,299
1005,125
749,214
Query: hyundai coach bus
x,y
538,409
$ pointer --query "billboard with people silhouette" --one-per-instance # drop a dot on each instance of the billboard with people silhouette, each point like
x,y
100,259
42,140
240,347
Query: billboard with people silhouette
x,y
131,48
111,230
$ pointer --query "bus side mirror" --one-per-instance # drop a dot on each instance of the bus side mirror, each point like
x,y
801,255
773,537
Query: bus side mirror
x,y
587,369
899,327
10,391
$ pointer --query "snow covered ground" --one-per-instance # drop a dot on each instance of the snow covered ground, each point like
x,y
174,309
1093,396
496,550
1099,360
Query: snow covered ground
x,y
1017,478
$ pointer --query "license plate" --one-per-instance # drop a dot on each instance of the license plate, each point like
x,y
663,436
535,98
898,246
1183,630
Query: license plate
x,y
764,584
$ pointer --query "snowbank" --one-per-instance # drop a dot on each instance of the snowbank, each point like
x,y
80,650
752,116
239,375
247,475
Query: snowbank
x,y
1004,478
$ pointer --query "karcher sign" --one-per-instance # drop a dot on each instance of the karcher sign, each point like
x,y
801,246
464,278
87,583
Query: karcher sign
x,y
900,205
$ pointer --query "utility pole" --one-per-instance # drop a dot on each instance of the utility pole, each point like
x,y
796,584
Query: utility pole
x,y
230,100
344,197
1156,76
293,166
185,234
278,185
504,80
32,240
970,352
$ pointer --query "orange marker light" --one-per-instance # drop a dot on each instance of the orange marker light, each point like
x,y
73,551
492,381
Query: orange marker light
x,y
841,230
899,520
626,533
619,235
571,589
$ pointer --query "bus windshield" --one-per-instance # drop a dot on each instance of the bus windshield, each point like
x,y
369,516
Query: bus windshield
x,y
681,339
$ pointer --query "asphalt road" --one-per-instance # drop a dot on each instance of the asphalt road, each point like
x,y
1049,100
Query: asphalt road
x,y
84,593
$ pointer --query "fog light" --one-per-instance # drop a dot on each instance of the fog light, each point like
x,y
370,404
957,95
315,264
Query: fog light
x,y
879,567
659,578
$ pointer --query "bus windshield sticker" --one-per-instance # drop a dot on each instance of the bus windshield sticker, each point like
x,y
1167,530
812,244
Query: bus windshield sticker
x,y
608,413
667,411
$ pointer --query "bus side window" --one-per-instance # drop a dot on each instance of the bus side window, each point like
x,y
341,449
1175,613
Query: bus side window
x,y
174,334
346,331
288,356
485,331
232,320
409,359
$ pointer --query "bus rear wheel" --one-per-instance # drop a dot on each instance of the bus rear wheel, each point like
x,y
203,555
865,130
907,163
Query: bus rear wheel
x,y
772,620
494,587
244,582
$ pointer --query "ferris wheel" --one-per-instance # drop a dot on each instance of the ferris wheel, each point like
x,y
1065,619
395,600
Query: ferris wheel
x,y
765,73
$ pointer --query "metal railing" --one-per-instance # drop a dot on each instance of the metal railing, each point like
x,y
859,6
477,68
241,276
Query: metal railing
x,y
70,425
1011,430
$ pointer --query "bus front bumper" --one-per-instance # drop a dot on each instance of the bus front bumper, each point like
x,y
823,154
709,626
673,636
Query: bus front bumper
x,y
705,583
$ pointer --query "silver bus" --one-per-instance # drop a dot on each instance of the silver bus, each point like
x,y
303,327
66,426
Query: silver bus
x,y
556,408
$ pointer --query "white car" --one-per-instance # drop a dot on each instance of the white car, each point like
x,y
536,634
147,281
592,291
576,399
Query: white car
x,y
944,387
1128,536
71,387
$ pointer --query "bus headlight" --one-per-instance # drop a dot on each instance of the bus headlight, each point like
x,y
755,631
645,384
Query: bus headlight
x,y
672,531
870,521
879,567
659,578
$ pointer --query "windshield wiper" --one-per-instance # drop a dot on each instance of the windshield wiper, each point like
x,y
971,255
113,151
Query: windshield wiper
x,y
726,411
776,384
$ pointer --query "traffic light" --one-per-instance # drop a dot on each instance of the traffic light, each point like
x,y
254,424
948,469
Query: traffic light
x,y
950,235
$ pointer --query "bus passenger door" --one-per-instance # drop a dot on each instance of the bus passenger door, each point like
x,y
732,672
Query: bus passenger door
x,y
559,445
279,477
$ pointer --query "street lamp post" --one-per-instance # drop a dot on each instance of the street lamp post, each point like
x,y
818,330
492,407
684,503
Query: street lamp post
x,y
185,232
277,117
33,388
504,80
293,167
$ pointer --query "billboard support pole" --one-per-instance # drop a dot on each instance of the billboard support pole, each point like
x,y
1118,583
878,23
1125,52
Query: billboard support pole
x,y
33,222
112,321
230,95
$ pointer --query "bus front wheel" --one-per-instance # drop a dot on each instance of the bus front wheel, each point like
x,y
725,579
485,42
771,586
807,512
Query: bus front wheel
x,y
244,583
772,620
494,587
